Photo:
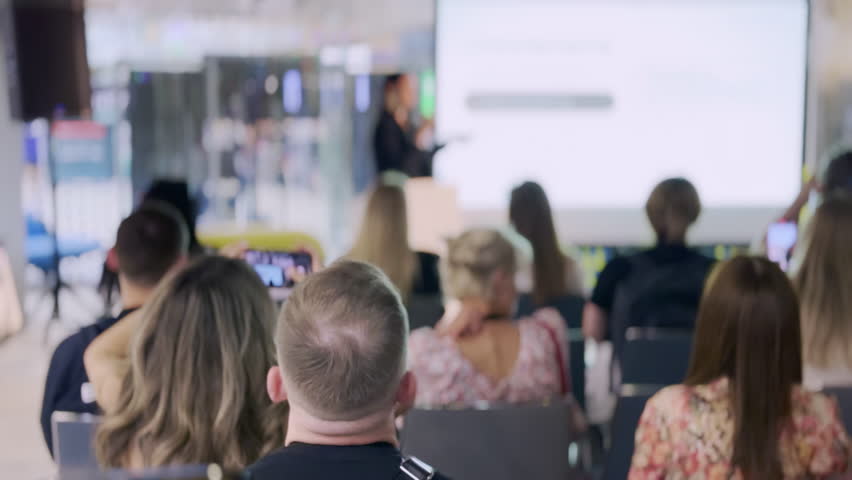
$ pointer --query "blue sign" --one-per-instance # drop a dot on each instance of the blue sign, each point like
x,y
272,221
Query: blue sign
x,y
81,150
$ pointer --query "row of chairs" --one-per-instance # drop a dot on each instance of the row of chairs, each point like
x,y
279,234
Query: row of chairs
x,y
534,441
499,442
537,441
507,442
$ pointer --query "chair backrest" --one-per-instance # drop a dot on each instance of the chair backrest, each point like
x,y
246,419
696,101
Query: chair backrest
x,y
570,307
173,472
844,401
512,442
628,409
178,472
577,364
73,440
424,310
655,356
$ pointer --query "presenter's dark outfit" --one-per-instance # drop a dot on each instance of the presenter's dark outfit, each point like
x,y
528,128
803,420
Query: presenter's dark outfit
x,y
396,150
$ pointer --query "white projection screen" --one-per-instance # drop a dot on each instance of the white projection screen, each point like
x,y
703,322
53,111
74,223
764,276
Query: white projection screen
x,y
598,100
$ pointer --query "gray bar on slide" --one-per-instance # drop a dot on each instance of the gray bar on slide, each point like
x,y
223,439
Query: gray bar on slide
x,y
539,101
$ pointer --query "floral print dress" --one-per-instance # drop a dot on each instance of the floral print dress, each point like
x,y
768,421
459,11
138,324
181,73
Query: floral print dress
x,y
445,378
687,432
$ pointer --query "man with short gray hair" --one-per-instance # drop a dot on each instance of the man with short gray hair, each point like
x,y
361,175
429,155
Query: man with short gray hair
x,y
341,343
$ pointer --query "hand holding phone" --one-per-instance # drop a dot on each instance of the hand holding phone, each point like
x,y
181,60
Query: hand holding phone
x,y
279,269
781,239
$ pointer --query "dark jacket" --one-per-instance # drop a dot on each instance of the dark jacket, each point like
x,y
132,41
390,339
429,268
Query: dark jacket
x,y
395,149
67,378
300,461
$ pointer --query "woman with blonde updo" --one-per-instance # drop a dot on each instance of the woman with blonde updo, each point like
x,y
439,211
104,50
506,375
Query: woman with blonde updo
x,y
477,352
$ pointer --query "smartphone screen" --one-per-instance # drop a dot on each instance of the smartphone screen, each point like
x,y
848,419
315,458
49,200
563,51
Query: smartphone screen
x,y
781,239
273,266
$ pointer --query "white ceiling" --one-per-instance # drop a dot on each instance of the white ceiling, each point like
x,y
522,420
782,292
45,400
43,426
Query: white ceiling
x,y
379,17
179,33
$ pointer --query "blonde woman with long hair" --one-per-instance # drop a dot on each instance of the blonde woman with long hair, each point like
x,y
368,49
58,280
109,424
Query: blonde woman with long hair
x,y
383,242
824,284
193,389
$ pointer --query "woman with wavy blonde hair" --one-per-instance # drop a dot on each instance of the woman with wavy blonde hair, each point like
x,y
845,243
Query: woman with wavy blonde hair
x,y
824,285
194,391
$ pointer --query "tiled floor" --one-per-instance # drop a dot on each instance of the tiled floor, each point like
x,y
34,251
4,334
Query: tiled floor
x,y
23,364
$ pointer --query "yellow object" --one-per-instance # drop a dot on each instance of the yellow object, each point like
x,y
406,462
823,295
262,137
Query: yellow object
x,y
262,239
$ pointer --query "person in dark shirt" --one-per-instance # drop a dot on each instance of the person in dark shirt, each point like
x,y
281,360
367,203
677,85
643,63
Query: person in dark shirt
x,y
341,354
150,243
397,145
672,208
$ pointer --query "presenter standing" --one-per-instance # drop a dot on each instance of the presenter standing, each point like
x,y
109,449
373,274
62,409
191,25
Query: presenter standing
x,y
399,146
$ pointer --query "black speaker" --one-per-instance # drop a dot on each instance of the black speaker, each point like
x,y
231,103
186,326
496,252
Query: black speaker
x,y
49,59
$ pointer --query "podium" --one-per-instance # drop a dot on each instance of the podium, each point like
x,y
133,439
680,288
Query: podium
x,y
434,214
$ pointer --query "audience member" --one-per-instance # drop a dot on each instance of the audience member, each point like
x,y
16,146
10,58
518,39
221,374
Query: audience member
x,y
192,390
741,412
383,242
171,192
341,356
555,275
150,243
836,179
824,284
477,353
660,287
176,193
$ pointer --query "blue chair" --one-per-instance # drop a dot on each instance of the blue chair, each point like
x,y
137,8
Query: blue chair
x,y
46,252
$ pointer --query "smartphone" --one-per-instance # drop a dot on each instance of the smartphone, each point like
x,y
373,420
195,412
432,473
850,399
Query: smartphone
x,y
274,267
781,239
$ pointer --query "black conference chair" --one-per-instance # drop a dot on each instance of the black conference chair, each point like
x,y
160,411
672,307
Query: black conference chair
x,y
73,445
424,310
655,356
628,410
570,307
501,443
844,401
178,472
577,364
182,472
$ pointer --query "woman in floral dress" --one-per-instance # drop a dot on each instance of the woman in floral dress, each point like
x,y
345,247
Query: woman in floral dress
x,y
741,413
